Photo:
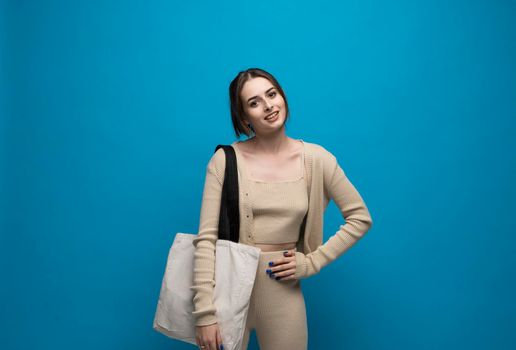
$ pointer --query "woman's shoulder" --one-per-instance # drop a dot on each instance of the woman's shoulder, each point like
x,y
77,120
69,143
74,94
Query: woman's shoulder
x,y
324,161
320,151
218,157
217,164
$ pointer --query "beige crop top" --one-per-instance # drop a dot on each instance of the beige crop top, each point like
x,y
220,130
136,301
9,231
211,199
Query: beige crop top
x,y
279,208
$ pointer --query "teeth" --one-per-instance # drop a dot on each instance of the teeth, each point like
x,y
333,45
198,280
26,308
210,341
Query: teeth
x,y
272,116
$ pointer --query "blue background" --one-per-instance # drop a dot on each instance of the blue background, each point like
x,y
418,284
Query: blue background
x,y
110,111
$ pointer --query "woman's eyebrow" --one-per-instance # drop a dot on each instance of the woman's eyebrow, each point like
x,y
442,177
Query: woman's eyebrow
x,y
250,98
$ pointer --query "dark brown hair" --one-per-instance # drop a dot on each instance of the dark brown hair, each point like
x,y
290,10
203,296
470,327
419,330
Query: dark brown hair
x,y
236,103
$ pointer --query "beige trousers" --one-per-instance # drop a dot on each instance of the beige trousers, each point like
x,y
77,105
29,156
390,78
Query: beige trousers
x,y
277,310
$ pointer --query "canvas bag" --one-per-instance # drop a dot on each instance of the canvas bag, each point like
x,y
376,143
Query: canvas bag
x,y
235,270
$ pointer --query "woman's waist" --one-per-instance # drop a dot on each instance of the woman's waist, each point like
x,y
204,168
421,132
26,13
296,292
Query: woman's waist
x,y
272,247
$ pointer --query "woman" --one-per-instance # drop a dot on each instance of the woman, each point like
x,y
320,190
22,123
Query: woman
x,y
285,186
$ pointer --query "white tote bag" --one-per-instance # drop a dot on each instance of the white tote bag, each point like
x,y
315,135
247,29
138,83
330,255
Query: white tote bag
x,y
235,270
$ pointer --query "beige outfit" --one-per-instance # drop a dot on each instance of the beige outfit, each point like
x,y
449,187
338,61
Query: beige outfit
x,y
325,181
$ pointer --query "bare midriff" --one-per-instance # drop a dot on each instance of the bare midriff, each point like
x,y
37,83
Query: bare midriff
x,y
275,247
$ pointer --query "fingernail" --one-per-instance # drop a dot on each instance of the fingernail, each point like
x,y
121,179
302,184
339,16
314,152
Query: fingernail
x,y
271,263
271,275
277,278
268,271
285,253
221,347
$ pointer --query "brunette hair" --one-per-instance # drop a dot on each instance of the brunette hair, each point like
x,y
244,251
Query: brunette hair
x,y
236,103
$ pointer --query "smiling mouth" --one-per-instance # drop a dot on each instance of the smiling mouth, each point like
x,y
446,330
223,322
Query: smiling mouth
x,y
272,115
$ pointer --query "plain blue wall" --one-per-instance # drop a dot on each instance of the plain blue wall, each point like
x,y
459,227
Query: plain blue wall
x,y
112,109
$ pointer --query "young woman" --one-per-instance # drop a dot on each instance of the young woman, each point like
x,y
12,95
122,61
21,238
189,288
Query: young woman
x,y
285,186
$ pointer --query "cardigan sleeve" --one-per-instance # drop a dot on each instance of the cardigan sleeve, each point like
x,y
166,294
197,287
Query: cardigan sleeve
x,y
205,242
339,188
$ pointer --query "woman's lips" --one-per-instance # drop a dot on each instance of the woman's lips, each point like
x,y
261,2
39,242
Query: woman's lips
x,y
273,117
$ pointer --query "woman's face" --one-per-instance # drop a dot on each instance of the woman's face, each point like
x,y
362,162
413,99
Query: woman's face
x,y
261,99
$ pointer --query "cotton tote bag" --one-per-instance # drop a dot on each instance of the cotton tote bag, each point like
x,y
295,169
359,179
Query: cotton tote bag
x,y
235,270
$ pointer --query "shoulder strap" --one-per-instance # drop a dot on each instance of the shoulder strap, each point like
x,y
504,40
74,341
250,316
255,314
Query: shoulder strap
x,y
229,218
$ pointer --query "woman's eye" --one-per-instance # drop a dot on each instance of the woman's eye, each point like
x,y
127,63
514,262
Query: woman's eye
x,y
254,103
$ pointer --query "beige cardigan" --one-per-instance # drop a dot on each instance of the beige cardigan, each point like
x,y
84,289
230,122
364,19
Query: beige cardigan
x,y
326,180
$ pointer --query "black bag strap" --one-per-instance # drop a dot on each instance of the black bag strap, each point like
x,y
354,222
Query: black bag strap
x,y
229,217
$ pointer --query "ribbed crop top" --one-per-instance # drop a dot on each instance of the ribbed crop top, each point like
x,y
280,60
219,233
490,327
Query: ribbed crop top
x,y
278,210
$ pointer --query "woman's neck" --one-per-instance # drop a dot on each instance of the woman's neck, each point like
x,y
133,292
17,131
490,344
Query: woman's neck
x,y
273,145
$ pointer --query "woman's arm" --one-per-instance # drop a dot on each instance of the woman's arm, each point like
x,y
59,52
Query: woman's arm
x,y
353,209
205,242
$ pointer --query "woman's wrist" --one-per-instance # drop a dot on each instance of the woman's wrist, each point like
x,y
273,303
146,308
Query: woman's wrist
x,y
206,320
300,265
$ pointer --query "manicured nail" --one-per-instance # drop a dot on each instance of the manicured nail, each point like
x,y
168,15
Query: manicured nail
x,y
277,278
268,271
221,347
271,263
271,275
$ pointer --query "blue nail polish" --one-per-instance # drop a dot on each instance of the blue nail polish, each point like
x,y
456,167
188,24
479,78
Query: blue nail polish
x,y
271,263
277,278
271,275
268,271
221,347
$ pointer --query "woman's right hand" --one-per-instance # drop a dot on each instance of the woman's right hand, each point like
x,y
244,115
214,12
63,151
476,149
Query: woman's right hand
x,y
209,337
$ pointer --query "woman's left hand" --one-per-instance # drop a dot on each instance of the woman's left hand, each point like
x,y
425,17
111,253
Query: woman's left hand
x,y
283,268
